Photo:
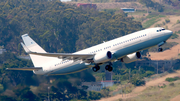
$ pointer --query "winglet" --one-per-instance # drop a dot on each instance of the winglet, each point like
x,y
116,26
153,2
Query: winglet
x,y
25,48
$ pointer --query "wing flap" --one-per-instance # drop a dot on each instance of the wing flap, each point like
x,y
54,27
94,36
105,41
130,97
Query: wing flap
x,y
65,55
26,68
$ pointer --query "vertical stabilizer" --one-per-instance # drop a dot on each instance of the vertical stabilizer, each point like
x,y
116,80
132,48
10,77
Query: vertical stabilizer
x,y
32,46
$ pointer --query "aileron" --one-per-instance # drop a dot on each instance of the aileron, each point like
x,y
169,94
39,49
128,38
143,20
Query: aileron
x,y
26,68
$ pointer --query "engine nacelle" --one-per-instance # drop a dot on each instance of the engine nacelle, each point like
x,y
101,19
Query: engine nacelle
x,y
131,57
102,57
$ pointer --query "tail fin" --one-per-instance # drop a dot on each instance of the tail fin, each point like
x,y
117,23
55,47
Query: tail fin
x,y
32,46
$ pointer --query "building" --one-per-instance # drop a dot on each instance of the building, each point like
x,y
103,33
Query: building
x,y
86,5
96,86
127,10
107,83
24,57
108,75
2,51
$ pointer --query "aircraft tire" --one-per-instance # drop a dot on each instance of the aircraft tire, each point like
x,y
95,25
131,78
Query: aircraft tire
x,y
95,69
109,68
160,49
98,67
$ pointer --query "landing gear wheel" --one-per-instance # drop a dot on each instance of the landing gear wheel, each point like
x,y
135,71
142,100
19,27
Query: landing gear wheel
x,y
98,67
94,69
109,68
160,49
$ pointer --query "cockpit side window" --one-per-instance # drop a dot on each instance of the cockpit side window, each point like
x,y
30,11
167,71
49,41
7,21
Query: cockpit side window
x,y
160,30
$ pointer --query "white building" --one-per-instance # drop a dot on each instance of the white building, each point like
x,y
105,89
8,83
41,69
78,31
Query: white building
x,y
2,51
107,83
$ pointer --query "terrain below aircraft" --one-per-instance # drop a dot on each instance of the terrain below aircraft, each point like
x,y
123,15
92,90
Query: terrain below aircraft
x,y
126,49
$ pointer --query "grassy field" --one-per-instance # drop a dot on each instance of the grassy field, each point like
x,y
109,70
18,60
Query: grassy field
x,y
155,93
152,19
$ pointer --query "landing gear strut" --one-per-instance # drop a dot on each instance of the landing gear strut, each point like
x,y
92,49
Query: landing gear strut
x,y
96,68
109,68
159,45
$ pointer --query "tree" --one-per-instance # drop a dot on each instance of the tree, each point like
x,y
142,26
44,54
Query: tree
x,y
24,93
149,3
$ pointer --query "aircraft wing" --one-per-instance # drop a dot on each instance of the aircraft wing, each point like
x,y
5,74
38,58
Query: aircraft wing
x,y
65,55
26,68
69,56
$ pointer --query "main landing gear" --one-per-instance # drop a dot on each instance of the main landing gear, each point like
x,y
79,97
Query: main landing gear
x,y
96,68
109,68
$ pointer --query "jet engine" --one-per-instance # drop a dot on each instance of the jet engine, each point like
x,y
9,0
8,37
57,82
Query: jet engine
x,y
102,57
131,57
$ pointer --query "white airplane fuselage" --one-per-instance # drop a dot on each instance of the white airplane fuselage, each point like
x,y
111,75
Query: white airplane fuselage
x,y
120,47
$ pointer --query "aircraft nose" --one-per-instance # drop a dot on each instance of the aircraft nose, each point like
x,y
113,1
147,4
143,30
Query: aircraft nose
x,y
168,32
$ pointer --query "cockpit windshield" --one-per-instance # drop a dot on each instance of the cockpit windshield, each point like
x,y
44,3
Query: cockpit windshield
x,y
160,30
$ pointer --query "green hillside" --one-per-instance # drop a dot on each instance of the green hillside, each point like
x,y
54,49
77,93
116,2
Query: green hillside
x,y
58,27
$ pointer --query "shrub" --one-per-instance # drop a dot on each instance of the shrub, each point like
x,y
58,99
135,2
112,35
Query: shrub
x,y
163,23
172,79
174,36
138,82
163,86
178,21
178,32
149,73
172,84
167,20
158,25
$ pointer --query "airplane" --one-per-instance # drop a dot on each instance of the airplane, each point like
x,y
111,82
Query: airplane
x,y
125,49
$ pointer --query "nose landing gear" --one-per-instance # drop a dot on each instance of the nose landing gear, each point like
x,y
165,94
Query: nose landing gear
x,y
159,46
160,49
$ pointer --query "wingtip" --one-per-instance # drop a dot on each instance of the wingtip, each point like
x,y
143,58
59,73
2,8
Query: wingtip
x,y
24,35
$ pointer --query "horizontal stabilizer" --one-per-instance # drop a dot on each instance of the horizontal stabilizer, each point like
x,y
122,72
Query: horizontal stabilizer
x,y
26,68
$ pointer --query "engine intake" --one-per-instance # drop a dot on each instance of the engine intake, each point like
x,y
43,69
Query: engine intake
x,y
131,57
102,57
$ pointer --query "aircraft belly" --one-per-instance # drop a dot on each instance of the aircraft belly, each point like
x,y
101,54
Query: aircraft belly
x,y
71,69
137,46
